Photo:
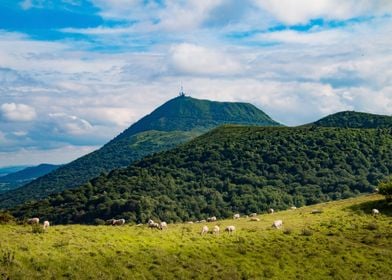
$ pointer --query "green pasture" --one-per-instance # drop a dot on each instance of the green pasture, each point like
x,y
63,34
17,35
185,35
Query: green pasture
x,y
343,242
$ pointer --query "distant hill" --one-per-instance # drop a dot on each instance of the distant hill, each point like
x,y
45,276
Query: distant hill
x,y
231,169
11,169
355,120
177,121
16,179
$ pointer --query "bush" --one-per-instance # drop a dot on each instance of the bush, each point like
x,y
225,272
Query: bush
x,y
306,232
6,218
385,188
37,229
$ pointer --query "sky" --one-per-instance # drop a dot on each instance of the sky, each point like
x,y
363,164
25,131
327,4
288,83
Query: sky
x,y
75,73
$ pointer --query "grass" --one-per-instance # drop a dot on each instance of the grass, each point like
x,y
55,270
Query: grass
x,y
345,242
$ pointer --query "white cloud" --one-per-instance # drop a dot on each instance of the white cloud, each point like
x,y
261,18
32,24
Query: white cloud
x,y
17,112
69,125
61,155
301,11
193,59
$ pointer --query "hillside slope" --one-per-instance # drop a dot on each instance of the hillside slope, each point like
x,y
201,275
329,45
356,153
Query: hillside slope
x,y
355,120
231,169
21,177
343,242
175,122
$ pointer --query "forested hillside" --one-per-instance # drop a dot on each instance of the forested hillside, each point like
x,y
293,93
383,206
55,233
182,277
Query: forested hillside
x,y
177,121
230,169
355,120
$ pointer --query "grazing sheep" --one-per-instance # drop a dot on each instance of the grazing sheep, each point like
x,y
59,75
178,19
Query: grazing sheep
x,y
230,229
254,219
375,212
202,221
109,222
271,211
204,230
277,224
119,222
236,216
163,225
33,221
293,207
211,219
216,230
190,222
46,224
253,215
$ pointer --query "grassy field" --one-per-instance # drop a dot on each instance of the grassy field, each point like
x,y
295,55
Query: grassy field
x,y
343,242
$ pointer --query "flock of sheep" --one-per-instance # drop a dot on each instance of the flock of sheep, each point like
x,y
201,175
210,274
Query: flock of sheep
x,y
215,230
35,221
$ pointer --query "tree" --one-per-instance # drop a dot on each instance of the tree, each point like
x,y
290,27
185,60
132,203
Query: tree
x,y
385,188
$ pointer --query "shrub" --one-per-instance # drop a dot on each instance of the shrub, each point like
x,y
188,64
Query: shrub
x,y
37,229
385,188
6,218
306,232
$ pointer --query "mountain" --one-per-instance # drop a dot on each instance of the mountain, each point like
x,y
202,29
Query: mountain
x,y
355,120
10,169
231,169
177,121
16,179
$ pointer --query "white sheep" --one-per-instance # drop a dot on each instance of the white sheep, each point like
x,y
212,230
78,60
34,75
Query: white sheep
x,y
277,224
46,224
204,230
236,216
230,229
216,229
33,221
375,212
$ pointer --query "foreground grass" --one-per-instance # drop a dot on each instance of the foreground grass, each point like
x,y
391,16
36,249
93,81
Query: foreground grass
x,y
343,242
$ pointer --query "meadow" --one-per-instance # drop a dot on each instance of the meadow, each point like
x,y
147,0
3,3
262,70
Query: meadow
x,y
345,241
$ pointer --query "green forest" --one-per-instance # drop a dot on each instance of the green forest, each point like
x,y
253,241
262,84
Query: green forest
x,y
176,121
230,169
353,119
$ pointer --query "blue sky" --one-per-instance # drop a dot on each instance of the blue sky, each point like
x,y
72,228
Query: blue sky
x,y
74,74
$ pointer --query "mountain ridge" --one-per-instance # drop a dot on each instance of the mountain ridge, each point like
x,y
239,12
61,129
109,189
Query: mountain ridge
x,y
231,169
155,132
353,119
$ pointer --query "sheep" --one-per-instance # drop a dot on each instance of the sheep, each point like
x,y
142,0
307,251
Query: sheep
x,y
190,222
277,224
254,219
253,215
230,229
109,222
204,230
152,224
163,225
46,224
216,229
202,221
119,222
236,216
293,207
33,221
211,219
270,211
375,212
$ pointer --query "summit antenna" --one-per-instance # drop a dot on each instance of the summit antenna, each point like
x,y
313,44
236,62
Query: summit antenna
x,y
182,93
